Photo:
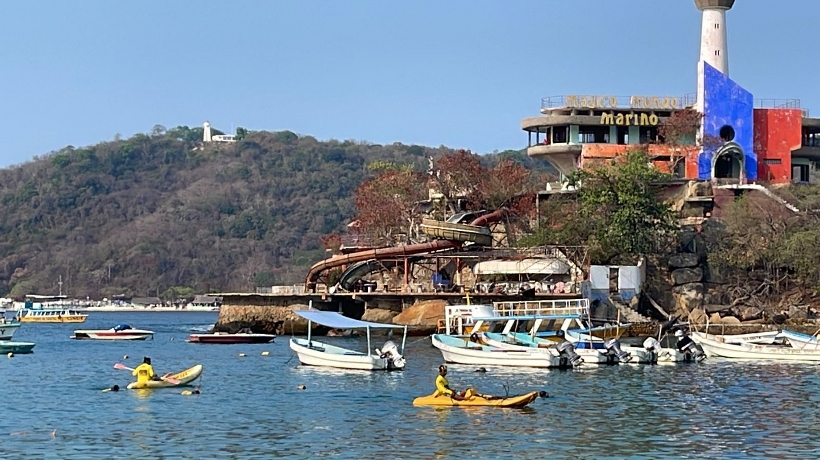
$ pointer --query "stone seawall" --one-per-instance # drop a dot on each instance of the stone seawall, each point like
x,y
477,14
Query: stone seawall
x,y
275,314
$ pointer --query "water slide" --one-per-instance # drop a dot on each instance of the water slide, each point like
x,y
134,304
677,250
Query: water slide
x,y
392,252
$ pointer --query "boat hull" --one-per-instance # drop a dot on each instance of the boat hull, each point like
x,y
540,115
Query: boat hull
x,y
476,401
713,346
19,348
461,351
590,356
185,378
323,355
231,338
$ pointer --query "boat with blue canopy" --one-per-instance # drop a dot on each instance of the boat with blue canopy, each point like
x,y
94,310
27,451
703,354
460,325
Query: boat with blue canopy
x,y
314,353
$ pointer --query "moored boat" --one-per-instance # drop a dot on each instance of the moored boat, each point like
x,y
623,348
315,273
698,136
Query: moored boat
x,y
185,378
7,346
227,338
313,353
715,345
463,351
8,328
477,400
50,315
119,332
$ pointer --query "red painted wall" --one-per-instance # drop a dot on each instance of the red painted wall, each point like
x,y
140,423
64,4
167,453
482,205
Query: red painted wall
x,y
777,133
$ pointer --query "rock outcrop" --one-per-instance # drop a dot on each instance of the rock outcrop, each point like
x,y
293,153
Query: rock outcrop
x,y
422,317
261,319
378,315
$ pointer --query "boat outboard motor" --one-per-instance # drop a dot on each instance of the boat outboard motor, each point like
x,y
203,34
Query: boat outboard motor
x,y
687,346
694,352
566,350
390,352
653,348
613,347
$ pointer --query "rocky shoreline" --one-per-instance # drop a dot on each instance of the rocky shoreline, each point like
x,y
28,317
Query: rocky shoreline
x,y
421,318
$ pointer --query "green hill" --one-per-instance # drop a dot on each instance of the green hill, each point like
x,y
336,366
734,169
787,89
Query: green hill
x,y
158,212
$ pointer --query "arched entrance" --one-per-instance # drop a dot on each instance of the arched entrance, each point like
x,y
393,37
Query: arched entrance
x,y
729,162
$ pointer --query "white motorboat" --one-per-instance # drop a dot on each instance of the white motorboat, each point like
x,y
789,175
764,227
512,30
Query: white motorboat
x,y
313,353
463,351
715,345
119,332
8,328
522,342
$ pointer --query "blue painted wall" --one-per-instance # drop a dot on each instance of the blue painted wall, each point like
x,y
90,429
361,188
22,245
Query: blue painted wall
x,y
727,103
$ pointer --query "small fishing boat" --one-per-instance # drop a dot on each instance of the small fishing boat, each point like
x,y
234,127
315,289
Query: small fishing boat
x,y
119,332
714,345
7,346
464,351
185,378
8,328
516,401
243,336
313,353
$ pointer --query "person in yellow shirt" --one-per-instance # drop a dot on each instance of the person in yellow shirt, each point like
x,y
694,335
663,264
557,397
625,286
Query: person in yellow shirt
x,y
443,386
144,372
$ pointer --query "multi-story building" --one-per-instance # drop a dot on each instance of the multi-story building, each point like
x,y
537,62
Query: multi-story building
x,y
741,140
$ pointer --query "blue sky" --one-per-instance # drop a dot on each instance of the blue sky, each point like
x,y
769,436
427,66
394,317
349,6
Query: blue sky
x,y
456,73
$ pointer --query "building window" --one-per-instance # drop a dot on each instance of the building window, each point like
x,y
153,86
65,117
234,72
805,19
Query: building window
x,y
593,134
623,135
717,52
772,161
559,134
649,135
717,26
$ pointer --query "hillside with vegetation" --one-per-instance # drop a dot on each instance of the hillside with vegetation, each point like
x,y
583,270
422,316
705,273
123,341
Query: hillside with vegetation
x,y
164,214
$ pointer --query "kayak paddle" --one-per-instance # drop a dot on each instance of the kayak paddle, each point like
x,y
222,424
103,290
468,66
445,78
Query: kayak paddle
x,y
123,367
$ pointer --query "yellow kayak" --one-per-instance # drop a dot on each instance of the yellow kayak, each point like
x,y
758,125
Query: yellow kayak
x,y
185,377
477,400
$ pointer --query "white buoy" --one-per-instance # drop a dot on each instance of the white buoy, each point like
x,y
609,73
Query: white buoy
x,y
10,354
241,355
125,357
301,387
265,353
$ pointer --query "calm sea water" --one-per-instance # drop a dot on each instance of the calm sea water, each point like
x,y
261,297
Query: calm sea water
x,y
250,406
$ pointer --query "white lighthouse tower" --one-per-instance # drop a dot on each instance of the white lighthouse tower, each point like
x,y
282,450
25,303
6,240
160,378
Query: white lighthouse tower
x,y
713,47
206,132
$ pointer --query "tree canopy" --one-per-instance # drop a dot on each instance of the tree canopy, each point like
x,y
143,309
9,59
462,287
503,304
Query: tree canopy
x,y
164,213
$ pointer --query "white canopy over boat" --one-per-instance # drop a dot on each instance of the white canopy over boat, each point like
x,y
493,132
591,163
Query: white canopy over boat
x,y
311,352
335,320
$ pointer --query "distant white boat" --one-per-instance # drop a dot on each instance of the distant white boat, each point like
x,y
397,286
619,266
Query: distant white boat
x,y
119,332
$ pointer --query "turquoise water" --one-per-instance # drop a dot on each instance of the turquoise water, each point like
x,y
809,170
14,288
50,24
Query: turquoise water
x,y
250,407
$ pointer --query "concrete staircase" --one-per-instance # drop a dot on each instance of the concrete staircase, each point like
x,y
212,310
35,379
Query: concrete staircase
x,y
628,313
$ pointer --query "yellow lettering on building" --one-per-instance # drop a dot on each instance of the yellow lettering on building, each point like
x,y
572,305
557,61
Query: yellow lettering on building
x,y
611,102
634,119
